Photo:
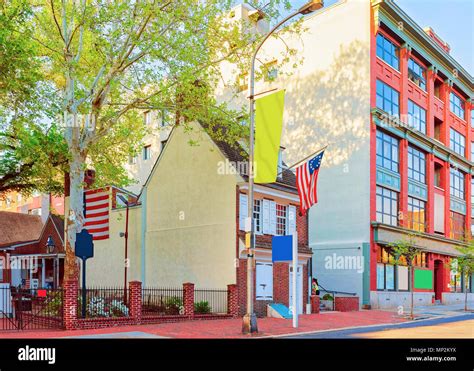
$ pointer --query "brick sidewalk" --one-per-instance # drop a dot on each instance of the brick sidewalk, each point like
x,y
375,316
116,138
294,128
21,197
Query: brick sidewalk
x,y
231,328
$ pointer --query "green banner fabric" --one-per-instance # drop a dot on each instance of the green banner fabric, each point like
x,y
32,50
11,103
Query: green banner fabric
x,y
268,125
423,279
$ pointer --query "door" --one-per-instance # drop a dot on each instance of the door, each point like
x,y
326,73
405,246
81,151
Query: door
x,y
438,279
299,288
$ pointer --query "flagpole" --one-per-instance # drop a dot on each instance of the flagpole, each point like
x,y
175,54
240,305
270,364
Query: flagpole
x,y
249,323
303,160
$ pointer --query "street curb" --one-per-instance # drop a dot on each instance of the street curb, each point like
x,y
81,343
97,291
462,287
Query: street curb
x,y
355,328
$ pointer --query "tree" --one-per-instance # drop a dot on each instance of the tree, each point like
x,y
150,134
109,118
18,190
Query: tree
x,y
108,60
405,251
465,264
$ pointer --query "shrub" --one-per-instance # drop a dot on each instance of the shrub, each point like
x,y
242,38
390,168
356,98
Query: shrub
x,y
173,305
202,307
328,297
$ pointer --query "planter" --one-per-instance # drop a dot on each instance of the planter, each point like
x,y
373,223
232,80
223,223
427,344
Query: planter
x,y
327,304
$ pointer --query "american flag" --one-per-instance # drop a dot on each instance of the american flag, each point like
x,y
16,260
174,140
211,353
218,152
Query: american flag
x,y
96,212
306,182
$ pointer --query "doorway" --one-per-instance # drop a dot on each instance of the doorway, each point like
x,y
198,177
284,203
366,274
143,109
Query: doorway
x,y
438,279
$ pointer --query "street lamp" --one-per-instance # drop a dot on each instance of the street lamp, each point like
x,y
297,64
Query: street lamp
x,y
127,204
249,324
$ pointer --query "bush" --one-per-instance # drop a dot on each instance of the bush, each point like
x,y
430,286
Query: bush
x,y
173,305
202,307
328,297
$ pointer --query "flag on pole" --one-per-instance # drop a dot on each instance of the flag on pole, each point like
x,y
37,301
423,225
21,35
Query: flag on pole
x,y
268,125
306,182
96,212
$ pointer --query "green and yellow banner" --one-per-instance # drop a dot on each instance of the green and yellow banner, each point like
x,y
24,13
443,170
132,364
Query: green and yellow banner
x,y
268,126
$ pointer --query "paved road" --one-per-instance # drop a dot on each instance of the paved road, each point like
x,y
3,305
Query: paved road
x,y
460,326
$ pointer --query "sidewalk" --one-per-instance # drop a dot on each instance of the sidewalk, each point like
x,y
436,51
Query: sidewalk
x,y
229,328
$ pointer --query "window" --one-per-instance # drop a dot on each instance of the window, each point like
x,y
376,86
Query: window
x,y
385,270
472,189
457,142
132,160
416,165
416,117
456,105
387,99
280,220
472,119
420,260
147,118
264,281
146,152
455,279
257,213
387,206
457,183
242,82
388,51
387,151
416,214
437,176
417,73
164,118
270,71
457,226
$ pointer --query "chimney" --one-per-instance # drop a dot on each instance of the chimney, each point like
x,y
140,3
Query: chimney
x,y
444,45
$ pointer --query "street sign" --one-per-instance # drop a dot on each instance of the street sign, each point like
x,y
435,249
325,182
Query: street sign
x,y
84,249
282,248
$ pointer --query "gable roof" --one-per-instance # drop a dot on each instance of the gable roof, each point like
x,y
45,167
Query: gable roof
x,y
235,153
16,228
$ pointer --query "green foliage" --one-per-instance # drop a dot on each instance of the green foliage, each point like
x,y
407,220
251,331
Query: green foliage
x,y
202,307
328,297
405,248
465,262
173,305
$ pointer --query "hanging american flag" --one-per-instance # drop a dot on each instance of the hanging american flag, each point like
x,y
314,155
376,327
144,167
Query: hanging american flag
x,y
306,182
96,212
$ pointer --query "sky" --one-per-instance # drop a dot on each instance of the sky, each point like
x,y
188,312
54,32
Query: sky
x,y
452,20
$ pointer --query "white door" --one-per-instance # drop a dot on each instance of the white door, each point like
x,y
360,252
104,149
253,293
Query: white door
x,y
299,288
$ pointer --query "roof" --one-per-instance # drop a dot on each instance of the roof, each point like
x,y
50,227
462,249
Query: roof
x,y
58,222
17,228
235,153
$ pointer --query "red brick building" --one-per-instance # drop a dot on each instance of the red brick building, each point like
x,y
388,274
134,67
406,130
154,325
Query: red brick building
x,y
26,258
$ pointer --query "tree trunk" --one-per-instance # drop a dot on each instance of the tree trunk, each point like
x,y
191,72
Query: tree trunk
x,y
465,298
412,279
75,220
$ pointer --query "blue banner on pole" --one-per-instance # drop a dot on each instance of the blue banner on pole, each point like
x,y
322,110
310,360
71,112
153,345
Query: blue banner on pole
x,y
282,248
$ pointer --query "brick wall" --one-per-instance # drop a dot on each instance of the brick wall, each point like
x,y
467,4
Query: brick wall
x,y
346,304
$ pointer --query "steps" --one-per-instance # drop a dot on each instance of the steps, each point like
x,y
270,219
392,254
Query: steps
x,y
278,310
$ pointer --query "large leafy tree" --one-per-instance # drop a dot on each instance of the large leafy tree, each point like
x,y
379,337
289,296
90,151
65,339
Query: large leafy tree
x,y
109,60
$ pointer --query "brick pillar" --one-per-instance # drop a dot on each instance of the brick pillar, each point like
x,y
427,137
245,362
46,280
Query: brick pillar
x,y
232,300
188,299
135,300
315,304
70,292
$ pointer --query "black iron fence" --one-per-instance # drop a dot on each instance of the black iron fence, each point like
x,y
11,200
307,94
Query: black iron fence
x,y
208,301
162,301
30,309
103,302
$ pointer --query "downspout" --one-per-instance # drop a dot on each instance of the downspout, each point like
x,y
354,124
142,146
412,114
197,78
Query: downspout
x,y
143,236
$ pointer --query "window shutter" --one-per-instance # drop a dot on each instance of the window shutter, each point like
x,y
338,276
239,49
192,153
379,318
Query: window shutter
x,y
266,217
243,211
291,219
273,222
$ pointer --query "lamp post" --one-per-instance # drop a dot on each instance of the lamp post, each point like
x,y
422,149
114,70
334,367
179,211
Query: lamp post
x,y
127,204
49,250
249,325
